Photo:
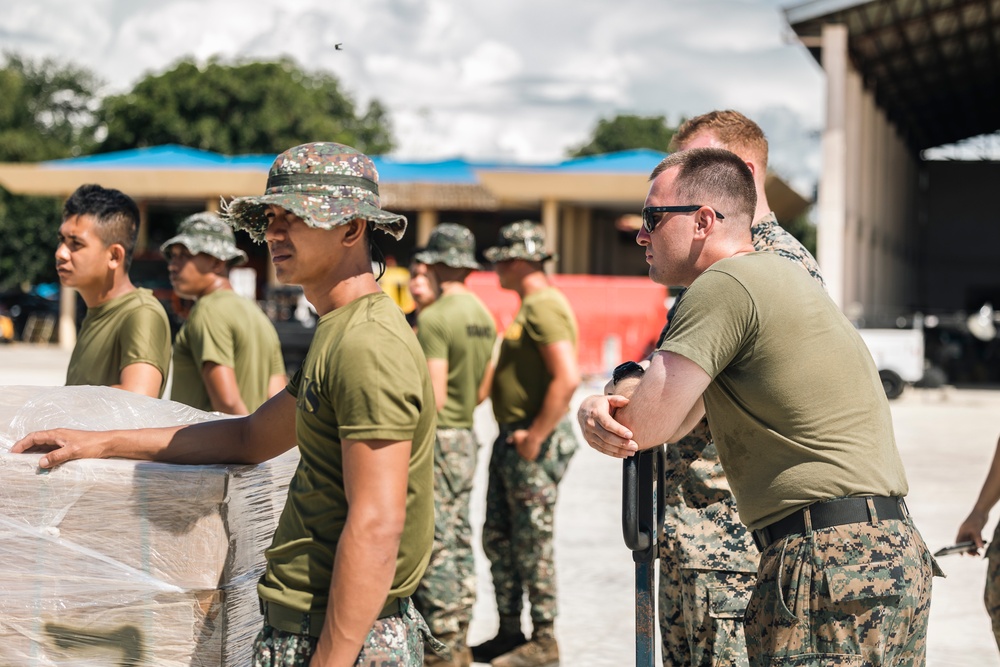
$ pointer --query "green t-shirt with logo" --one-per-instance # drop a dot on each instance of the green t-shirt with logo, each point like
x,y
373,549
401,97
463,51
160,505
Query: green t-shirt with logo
x,y
129,329
230,330
364,378
521,377
458,329
796,405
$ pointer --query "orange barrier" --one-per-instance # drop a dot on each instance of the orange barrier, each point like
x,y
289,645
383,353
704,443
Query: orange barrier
x,y
620,317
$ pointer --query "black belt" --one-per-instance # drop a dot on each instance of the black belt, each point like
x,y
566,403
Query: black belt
x,y
828,513
283,618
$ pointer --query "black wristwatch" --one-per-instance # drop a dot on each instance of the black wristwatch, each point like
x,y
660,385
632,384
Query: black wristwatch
x,y
626,369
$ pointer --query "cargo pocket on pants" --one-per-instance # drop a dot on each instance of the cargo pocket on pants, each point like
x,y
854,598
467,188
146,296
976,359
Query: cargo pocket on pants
x,y
824,659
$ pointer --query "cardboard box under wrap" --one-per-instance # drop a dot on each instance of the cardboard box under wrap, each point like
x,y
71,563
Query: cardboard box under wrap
x,y
114,562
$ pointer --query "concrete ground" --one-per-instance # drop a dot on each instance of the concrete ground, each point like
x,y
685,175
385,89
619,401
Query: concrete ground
x,y
946,438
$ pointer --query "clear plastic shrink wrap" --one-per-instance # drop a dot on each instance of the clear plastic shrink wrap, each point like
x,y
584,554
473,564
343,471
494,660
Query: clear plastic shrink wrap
x,y
127,563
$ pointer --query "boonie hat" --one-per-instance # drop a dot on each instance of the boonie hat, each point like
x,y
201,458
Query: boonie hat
x,y
207,233
450,244
524,239
324,183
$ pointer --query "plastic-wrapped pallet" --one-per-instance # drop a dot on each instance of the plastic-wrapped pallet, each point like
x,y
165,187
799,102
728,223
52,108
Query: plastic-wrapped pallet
x,y
127,563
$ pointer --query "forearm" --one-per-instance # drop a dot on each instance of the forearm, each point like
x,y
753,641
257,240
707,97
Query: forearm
x,y
222,389
364,566
554,408
203,443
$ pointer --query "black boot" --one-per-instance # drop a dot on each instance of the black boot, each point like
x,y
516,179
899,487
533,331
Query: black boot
x,y
508,638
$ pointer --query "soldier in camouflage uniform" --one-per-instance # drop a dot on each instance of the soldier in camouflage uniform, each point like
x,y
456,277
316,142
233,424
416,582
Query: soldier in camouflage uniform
x,y
810,457
357,527
456,333
972,530
704,546
535,378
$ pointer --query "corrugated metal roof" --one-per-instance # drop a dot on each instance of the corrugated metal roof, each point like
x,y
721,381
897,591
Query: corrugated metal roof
x,y
933,65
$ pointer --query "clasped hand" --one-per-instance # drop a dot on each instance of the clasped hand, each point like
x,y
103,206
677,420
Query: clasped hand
x,y
601,431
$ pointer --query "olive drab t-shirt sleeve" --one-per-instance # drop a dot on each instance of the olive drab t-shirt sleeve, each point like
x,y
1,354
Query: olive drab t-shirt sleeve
x,y
547,325
212,344
432,332
145,340
721,327
375,402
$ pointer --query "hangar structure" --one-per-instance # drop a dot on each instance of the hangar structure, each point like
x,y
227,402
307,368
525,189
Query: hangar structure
x,y
897,232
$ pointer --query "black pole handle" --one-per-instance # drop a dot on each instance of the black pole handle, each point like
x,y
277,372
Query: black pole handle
x,y
642,504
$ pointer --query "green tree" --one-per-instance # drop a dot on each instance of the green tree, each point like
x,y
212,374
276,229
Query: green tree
x,y
45,113
251,107
625,132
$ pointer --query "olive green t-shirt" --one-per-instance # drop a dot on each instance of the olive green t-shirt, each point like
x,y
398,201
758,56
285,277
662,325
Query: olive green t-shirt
x,y
230,330
458,329
129,329
364,378
521,377
796,405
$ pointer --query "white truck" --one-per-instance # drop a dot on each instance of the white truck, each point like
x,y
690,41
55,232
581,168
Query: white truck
x,y
899,357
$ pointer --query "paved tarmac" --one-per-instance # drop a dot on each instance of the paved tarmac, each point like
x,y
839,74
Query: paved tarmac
x,y
946,438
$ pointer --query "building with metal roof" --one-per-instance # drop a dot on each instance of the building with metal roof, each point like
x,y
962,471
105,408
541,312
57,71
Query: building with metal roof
x,y
897,232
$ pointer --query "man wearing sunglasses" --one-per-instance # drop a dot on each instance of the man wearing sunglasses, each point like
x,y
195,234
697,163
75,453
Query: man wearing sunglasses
x,y
800,421
704,547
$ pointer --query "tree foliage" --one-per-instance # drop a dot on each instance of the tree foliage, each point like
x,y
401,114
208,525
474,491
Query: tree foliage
x,y
252,107
45,113
625,132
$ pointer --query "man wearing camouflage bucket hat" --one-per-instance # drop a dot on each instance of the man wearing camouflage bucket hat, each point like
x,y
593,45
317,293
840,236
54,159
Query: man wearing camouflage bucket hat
x,y
358,524
457,334
535,378
227,356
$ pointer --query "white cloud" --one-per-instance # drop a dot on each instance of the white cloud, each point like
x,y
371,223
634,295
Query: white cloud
x,y
513,80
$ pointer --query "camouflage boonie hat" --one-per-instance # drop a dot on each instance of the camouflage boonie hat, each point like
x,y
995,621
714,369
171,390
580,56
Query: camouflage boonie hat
x,y
450,244
520,240
325,184
207,233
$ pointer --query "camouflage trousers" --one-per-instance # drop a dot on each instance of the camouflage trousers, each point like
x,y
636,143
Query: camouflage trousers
x,y
857,594
447,592
701,608
518,534
991,595
396,640
708,562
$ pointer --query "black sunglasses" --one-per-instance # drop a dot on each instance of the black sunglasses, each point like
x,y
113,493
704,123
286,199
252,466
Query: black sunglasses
x,y
649,222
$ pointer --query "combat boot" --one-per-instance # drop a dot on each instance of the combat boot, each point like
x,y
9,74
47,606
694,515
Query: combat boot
x,y
508,638
541,651
461,656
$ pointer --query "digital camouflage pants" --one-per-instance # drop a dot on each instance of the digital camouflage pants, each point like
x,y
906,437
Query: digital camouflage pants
x,y
708,561
447,592
992,594
394,641
856,595
518,532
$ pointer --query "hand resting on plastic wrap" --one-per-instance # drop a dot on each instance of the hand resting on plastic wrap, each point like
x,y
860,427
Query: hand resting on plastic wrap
x,y
167,431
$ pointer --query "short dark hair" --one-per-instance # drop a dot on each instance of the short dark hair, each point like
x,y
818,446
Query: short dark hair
x,y
115,214
713,177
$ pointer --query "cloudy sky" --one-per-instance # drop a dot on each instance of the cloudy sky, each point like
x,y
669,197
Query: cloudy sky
x,y
515,80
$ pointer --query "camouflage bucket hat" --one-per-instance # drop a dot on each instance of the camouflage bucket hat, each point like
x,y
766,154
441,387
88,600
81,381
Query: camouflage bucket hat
x,y
520,240
325,184
207,233
452,245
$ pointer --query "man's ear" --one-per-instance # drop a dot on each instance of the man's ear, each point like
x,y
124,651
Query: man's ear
x,y
355,231
704,222
753,169
116,256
